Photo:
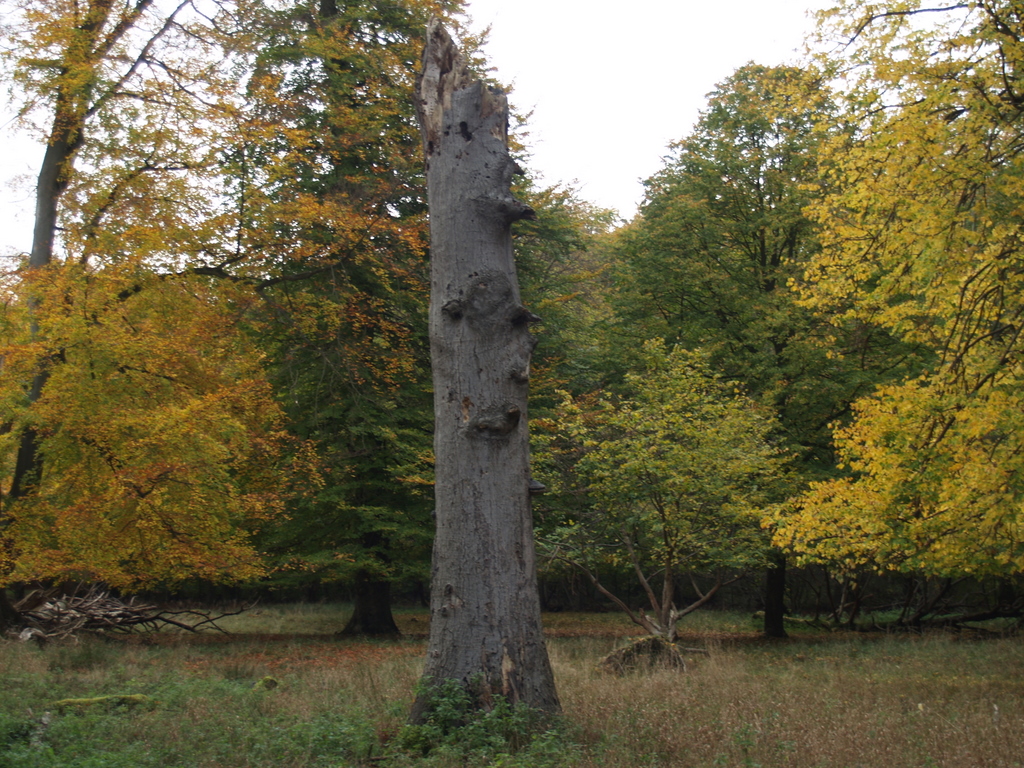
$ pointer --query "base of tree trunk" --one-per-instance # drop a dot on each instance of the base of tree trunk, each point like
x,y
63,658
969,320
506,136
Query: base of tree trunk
x,y
371,614
9,615
647,653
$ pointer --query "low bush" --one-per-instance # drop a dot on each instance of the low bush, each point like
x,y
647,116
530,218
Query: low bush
x,y
457,732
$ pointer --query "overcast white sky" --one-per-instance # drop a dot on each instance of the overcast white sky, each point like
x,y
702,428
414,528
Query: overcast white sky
x,y
610,85
19,160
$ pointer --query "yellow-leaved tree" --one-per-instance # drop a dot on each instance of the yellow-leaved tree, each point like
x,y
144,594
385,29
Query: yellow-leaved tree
x,y
157,434
138,438
922,235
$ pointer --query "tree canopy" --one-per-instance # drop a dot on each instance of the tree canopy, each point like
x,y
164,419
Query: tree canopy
x,y
230,214
214,359
921,237
669,480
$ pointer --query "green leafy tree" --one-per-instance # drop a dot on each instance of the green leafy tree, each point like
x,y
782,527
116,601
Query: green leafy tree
x,y
721,236
709,263
669,481
563,276
327,190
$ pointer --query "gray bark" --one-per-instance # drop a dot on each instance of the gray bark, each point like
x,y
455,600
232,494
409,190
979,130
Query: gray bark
x,y
53,179
485,608
101,26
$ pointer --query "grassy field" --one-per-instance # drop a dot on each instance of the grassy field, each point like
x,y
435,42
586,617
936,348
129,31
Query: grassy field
x,y
814,700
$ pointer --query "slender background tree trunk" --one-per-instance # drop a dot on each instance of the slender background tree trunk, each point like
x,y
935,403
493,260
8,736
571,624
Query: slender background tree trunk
x,y
485,608
82,58
775,597
64,140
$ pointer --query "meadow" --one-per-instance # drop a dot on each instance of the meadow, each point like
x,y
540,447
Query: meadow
x,y
281,691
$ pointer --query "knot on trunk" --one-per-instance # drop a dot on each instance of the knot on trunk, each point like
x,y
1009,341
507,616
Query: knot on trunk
x,y
484,299
496,423
521,316
508,209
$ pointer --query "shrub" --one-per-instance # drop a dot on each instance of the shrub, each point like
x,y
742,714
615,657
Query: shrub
x,y
458,732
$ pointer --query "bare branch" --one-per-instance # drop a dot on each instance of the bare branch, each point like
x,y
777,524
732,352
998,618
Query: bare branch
x,y
871,18
143,54
48,617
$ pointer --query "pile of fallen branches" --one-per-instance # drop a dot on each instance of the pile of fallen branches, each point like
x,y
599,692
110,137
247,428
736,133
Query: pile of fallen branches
x,y
45,617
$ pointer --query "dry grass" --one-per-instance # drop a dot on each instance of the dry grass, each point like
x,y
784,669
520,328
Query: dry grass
x,y
846,702
313,619
835,700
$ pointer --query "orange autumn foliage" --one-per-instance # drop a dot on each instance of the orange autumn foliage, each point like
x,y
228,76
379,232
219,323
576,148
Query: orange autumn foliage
x,y
159,435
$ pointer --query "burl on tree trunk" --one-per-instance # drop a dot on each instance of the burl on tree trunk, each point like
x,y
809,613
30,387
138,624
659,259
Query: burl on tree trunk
x,y
485,626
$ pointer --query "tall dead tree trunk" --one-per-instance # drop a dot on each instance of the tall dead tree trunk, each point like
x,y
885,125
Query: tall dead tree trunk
x,y
485,608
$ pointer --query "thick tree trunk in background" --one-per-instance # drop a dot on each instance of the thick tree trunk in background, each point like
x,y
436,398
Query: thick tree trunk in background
x,y
371,613
485,609
371,603
775,597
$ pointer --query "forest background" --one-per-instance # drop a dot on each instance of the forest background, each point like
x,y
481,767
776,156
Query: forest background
x,y
804,350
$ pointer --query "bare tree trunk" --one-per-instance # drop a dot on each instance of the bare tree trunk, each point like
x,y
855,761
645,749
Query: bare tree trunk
x,y
485,608
83,55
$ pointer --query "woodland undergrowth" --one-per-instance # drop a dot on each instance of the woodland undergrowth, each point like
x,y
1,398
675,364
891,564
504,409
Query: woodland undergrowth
x,y
282,691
